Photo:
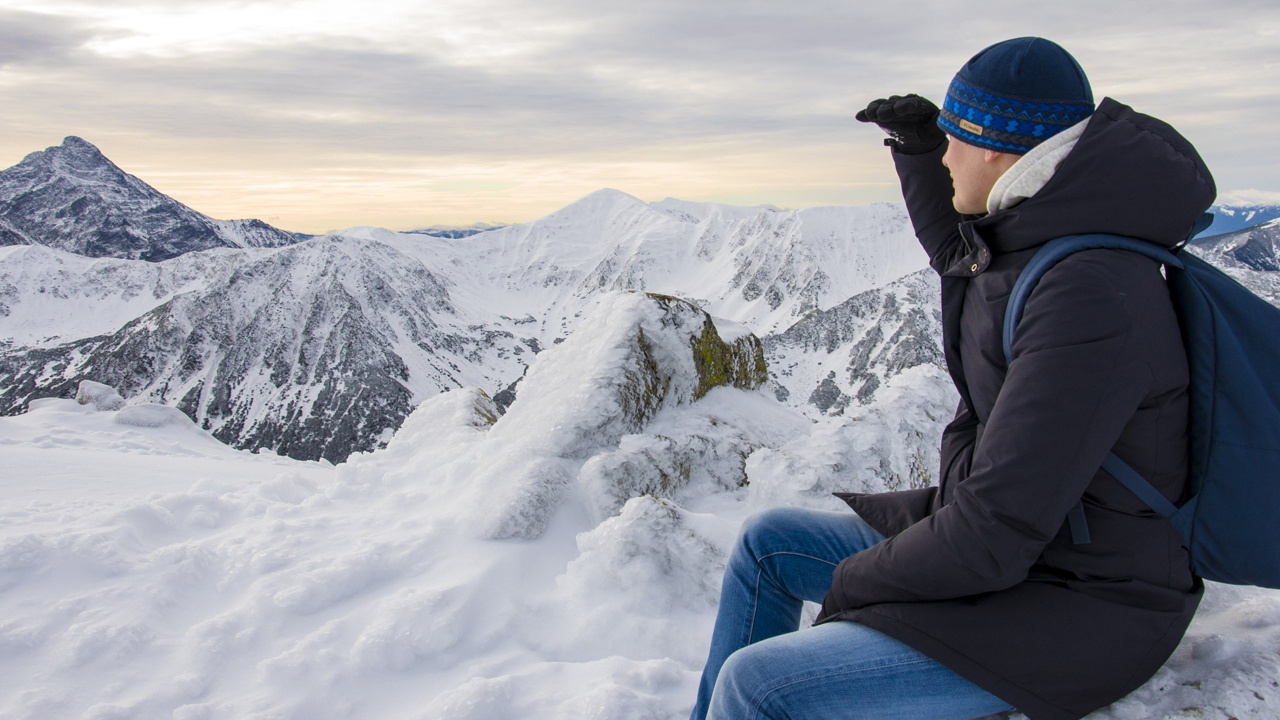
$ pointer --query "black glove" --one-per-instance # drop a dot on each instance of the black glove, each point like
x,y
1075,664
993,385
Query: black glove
x,y
911,121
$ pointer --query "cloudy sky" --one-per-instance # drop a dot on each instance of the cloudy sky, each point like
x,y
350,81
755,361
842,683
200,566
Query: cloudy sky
x,y
320,114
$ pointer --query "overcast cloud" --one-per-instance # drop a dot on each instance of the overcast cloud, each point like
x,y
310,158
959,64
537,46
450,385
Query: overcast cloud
x,y
316,114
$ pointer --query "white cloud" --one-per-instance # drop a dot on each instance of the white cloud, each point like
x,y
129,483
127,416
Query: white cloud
x,y
364,86
1250,197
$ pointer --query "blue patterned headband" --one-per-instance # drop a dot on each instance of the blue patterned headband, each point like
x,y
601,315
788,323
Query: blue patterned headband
x,y
1005,124
1015,95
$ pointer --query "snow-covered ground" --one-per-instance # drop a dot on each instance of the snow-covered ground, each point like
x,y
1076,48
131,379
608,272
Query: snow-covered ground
x,y
562,562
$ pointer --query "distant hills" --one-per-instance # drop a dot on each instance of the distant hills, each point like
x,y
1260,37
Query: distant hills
x,y
1232,218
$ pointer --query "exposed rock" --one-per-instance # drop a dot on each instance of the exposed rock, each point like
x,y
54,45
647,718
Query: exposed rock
x,y
848,353
635,355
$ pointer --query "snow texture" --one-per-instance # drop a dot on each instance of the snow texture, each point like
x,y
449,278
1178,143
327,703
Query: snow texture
x,y
102,397
482,566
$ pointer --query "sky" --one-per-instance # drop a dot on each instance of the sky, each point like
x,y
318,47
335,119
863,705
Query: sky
x,y
315,115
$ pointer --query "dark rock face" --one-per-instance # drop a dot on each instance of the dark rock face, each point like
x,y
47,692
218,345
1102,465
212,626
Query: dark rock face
x,y
73,198
827,394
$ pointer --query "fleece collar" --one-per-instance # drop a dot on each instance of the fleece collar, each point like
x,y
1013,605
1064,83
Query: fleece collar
x,y
1033,170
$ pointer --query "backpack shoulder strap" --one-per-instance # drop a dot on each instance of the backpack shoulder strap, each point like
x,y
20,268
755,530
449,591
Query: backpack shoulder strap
x,y
1049,255
1054,251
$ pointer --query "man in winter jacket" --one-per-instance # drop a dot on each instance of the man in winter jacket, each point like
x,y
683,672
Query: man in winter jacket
x,y
975,596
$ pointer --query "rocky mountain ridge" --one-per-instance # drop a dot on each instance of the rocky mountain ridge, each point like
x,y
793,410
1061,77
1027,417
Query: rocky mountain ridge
x,y
73,198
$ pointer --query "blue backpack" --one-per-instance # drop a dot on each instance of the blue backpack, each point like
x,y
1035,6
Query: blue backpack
x,y
1231,523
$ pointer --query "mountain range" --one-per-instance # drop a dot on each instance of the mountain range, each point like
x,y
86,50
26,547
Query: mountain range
x,y
1233,218
318,347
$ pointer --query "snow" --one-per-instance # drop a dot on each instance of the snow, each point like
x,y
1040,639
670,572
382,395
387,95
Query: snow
x,y
477,567
356,328
102,397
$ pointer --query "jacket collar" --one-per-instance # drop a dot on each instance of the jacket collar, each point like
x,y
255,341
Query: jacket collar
x,y
1128,174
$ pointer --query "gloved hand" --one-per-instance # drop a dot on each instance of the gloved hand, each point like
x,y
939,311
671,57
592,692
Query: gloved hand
x,y
911,121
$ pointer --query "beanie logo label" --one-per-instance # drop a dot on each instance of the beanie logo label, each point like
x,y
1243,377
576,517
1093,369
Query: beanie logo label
x,y
970,127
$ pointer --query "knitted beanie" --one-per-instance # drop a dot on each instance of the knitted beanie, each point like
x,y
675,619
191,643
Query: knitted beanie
x,y
1015,95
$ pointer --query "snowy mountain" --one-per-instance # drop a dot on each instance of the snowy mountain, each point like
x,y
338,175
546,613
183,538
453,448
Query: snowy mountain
x,y
314,350
321,348
761,267
1257,247
73,198
455,232
834,358
1230,218
1251,257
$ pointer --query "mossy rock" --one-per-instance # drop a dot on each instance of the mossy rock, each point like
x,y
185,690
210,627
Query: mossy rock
x,y
645,391
739,364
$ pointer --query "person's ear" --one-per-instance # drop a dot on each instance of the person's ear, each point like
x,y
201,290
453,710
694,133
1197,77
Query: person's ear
x,y
991,155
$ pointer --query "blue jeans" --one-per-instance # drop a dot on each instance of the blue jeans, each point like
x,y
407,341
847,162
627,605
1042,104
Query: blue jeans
x,y
760,668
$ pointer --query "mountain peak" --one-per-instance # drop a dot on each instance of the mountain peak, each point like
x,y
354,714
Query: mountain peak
x,y
600,203
75,157
72,197
71,143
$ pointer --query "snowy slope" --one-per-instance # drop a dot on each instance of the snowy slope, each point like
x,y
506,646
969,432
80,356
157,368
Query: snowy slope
x,y
833,358
154,573
313,350
761,267
49,297
73,198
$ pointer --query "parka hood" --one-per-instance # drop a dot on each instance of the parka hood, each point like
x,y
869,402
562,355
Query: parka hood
x,y
1129,174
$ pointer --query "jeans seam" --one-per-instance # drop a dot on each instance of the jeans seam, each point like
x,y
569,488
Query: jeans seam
x,y
762,558
755,603
755,591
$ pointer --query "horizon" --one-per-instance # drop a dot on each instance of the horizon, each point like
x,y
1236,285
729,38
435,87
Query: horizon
x,y
1236,200
314,115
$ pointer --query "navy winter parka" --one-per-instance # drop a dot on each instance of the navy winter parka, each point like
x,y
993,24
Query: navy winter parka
x,y
980,572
